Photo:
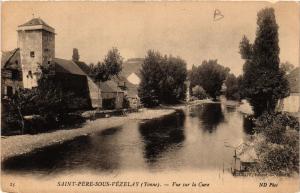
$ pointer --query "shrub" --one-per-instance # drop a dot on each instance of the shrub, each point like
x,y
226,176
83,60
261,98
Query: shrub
x,y
199,92
278,151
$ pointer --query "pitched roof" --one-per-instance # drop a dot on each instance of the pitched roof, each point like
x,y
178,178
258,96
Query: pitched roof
x,y
293,78
81,68
36,24
7,56
35,21
67,66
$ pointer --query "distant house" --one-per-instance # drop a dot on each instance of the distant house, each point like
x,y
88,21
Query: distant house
x,y
36,46
11,73
130,91
291,103
245,158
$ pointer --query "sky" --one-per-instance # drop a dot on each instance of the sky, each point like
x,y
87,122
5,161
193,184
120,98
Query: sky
x,y
185,29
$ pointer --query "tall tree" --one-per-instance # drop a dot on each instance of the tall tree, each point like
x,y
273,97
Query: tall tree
x,y
263,81
162,79
75,56
232,87
148,90
111,66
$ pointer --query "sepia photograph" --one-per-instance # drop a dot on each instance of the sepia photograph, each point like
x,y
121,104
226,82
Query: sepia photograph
x,y
150,96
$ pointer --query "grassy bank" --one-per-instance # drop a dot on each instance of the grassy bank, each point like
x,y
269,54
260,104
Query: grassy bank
x,y
21,144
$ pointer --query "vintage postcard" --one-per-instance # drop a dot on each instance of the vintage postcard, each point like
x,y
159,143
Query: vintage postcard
x,y
155,96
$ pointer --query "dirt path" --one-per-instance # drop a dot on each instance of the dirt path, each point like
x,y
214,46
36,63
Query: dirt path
x,y
20,144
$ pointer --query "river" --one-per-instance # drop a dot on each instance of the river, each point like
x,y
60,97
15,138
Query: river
x,y
196,138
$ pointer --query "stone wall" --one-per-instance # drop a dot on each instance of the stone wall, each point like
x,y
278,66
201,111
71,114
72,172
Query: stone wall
x,y
37,47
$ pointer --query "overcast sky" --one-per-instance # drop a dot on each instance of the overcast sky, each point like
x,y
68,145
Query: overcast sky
x,y
185,29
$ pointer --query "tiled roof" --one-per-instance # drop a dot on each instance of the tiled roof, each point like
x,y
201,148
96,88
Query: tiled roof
x,y
35,21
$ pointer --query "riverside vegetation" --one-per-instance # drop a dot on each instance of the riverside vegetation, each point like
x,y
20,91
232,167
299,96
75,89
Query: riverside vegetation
x,y
263,82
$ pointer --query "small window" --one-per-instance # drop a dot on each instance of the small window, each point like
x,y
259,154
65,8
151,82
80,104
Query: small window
x,y
17,62
32,54
49,62
46,50
29,75
9,91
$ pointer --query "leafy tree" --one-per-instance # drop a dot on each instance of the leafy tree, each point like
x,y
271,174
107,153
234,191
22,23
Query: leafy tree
x,y
210,75
172,83
111,66
199,92
277,143
162,79
232,87
263,81
151,75
75,56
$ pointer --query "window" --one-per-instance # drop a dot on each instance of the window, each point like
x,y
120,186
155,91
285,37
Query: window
x,y
17,62
15,75
32,54
29,75
46,50
9,91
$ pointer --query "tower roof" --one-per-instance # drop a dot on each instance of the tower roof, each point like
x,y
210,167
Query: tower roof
x,y
36,24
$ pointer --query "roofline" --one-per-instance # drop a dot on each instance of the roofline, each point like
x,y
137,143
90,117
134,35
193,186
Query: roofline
x,y
36,27
14,52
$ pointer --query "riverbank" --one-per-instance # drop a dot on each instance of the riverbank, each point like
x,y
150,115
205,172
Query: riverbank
x,y
20,144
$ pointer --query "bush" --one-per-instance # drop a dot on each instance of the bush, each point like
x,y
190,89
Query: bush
x,y
278,149
199,92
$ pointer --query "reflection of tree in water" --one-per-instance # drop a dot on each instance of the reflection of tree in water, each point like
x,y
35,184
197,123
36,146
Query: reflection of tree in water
x,y
211,116
248,125
162,134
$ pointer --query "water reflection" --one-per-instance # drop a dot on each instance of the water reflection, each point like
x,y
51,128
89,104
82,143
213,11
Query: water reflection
x,y
160,135
98,152
189,139
210,115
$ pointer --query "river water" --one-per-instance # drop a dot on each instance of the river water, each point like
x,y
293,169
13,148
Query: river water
x,y
196,138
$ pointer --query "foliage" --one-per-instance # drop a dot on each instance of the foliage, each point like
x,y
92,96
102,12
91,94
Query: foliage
x,y
75,56
278,150
210,75
48,104
111,66
162,79
232,87
263,81
199,92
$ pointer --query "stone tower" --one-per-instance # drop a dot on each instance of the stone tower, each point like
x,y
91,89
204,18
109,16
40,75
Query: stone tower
x,y
36,41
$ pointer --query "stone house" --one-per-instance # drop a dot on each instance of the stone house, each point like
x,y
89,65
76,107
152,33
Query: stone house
x,y
11,73
36,46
